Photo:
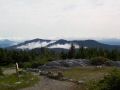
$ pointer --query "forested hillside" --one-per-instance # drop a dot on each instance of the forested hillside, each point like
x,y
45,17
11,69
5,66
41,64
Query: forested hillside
x,y
37,57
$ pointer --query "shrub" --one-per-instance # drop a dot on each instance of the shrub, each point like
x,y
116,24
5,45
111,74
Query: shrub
x,y
98,60
1,72
109,82
27,65
11,82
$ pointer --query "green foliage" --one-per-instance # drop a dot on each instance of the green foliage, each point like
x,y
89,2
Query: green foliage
x,y
71,52
41,59
109,82
1,72
30,58
63,55
88,53
36,57
12,82
81,53
98,60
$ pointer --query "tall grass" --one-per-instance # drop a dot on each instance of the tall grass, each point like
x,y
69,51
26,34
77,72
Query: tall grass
x,y
12,82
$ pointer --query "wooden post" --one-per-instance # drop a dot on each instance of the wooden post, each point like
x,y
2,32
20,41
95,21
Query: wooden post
x,y
17,70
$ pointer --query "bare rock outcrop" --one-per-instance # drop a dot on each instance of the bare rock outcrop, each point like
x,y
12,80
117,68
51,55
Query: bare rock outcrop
x,y
66,64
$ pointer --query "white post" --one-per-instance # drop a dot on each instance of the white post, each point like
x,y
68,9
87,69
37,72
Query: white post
x,y
17,69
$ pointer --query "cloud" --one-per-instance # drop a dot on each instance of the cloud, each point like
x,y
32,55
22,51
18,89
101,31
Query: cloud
x,y
61,18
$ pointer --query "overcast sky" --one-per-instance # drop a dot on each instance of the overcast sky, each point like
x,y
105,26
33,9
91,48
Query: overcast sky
x,y
59,19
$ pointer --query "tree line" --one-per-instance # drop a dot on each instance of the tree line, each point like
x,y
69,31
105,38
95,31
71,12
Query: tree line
x,y
26,57
88,53
37,57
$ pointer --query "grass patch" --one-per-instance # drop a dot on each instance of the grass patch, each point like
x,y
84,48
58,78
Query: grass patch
x,y
12,82
111,81
87,74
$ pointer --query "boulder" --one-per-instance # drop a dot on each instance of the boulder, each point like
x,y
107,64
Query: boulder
x,y
66,64
113,63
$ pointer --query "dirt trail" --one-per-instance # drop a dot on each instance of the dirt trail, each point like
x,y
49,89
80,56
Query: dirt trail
x,y
50,84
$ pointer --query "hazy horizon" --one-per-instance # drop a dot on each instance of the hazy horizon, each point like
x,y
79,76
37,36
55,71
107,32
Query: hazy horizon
x,y
66,19
26,39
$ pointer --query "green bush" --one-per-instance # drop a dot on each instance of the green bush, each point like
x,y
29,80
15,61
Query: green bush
x,y
109,82
11,82
27,65
1,72
98,60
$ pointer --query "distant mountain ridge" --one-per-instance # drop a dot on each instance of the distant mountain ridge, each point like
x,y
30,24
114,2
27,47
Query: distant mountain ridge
x,y
111,41
7,43
63,44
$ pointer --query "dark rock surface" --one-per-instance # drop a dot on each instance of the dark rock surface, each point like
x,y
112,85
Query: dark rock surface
x,y
113,63
66,64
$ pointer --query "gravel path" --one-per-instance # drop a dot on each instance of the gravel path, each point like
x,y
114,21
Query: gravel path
x,y
50,84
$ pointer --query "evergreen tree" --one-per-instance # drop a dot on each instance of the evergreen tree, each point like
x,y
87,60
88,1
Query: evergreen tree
x,y
71,52
63,55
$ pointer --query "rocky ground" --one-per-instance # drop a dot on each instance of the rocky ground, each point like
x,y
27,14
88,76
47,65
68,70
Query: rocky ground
x,y
65,64
50,84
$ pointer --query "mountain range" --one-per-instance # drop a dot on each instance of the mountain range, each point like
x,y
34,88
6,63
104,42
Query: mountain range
x,y
112,41
62,44
7,43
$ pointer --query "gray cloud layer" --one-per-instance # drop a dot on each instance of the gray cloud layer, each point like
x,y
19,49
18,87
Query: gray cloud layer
x,y
60,18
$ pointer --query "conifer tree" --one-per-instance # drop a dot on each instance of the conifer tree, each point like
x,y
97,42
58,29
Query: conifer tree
x,y
71,52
